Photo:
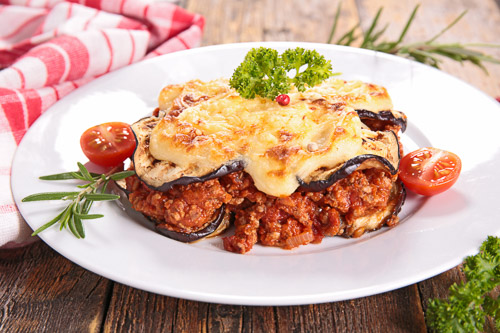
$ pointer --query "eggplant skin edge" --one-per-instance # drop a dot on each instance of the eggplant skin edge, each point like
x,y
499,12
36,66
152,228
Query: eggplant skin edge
x,y
223,170
385,116
222,220
345,170
402,198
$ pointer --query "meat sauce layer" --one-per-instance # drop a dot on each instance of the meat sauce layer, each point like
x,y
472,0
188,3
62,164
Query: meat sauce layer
x,y
301,218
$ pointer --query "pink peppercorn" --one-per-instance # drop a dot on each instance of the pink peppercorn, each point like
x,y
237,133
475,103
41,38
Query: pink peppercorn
x,y
283,99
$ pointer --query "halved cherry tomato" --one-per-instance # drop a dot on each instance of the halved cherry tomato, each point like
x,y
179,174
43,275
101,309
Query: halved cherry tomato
x,y
429,171
108,144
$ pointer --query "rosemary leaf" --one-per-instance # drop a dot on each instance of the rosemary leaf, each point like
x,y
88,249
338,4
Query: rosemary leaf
x,y
48,224
121,175
87,204
66,215
104,186
368,33
50,196
100,196
84,185
72,227
407,25
335,21
65,176
78,221
72,220
88,216
84,172
79,227
77,175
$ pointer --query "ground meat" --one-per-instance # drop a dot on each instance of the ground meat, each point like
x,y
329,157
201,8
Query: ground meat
x,y
241,187
184,208
360,194
302,218
247,224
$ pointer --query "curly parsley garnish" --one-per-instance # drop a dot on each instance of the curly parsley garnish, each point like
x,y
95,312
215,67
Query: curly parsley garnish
x,y
266,73
81,201
469,303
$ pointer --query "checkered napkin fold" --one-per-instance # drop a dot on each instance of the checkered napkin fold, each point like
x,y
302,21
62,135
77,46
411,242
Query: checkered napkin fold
x,y
49,48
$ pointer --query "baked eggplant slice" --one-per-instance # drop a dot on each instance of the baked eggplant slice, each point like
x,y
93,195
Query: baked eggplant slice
x,y
376,220
216,226
163,175
381,151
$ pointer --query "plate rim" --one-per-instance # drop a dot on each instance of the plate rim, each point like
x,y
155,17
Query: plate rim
x,y
259,300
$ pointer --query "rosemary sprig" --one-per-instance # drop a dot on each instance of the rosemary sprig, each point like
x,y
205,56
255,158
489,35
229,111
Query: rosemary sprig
x,y
80,201
428,52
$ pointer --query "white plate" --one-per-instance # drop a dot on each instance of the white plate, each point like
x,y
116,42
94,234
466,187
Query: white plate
x,y
434,235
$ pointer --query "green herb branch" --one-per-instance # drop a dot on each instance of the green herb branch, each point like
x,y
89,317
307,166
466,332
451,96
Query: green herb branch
x,y
266,73
427,52
80,201
470,303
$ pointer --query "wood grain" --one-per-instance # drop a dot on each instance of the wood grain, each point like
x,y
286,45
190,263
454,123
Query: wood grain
x,y
133,310
41,291
271,20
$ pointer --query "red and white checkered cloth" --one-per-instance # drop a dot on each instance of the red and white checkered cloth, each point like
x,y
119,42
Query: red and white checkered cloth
x,y
49,48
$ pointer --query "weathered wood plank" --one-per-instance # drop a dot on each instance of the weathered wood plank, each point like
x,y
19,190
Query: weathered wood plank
x,y
133,310
307,318
191,316
41,291
225,318
259,319
271,20
230,21
398,311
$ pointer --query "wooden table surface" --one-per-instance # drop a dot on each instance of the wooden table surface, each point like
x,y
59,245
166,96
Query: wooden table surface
x,y
43,292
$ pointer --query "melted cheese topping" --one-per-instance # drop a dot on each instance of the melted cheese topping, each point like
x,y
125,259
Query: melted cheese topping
x,y
356,94
209,124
